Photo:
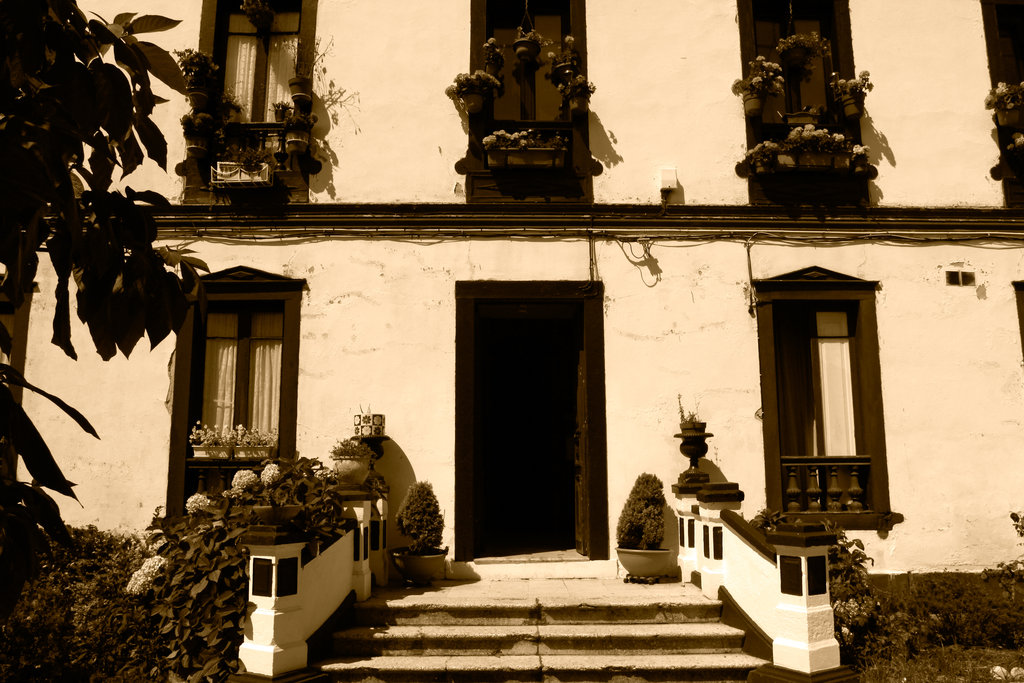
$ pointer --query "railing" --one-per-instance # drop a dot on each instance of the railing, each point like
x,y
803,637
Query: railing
x,y
826,484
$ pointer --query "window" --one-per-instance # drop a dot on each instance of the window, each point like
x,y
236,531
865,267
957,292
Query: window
x,y
821,398
530,99
808,98
1004,35
237,365
257,71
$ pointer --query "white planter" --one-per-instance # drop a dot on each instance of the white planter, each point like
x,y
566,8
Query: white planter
x,y
221,452
647,563
230,173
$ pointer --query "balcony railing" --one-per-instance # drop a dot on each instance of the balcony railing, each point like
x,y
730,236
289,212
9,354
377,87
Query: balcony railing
x,y
826,484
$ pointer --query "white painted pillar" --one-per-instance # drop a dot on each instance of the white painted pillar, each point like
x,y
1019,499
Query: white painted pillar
x,y
357,506
273,632
712,499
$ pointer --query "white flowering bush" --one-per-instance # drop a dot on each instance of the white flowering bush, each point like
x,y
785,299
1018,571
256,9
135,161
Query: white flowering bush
x,y
1005,97
197,502
477,82
254,437
201,435
143,577
763,78
807,138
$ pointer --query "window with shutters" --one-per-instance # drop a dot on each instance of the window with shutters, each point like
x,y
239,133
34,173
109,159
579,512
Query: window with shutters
x,y
1004,36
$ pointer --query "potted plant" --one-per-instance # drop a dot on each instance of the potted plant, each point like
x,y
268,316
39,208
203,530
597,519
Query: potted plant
x,y
198,128
859,164
301,84
494,60
806,115
420,518
524,149
351,460
812,147
641,529
576,92
260,14
689,420
281,110
211,443
296,131
762,158
527,44
565,63
255,443
199,72
473,88
1007,100
851,92
799,50
763,78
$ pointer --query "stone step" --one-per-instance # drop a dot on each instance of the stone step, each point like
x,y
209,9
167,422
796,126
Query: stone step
x,y
591,668
543,639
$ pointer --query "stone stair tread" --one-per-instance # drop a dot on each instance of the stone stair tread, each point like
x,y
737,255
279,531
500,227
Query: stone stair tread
x,y
546,663
542,630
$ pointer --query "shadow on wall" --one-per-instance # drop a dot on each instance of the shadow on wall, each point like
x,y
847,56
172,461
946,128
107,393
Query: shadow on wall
x,y
396,469
329,105
602,143
879,149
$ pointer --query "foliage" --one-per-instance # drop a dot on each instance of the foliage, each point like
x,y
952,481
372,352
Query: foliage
x,y
856,88
306,63
420,519
687,415
298,120
255,436
77,623
763,78
1010,574
766,520
259,13
814,44
973,665
199,124
477,82
807,138
763,154
523,139
201,435
197,67
1004,97
282,108
351,448
492,54
567,54
641,523
76,104
578,86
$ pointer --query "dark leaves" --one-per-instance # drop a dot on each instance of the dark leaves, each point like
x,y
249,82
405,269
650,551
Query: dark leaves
x,y
162,65
149,23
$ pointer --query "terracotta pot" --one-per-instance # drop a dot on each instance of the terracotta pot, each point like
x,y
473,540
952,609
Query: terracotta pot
x,y
196,146
753,105
851,108
254,452
1009,118
526,49
649,563
794,56
296,141
562,72
301,89
816,159
473,101
418,569
352,470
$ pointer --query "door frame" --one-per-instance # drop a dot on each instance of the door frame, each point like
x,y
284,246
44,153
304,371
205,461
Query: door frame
x,y
467,295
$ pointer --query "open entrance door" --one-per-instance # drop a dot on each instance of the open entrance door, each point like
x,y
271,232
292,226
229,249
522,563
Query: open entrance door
x,y
530,465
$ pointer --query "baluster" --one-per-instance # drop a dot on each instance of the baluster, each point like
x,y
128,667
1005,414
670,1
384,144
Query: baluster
x,y
793,491
834,492
856,492
201,487
813,490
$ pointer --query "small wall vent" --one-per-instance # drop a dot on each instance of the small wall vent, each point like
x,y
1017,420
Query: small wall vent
x,y
960,278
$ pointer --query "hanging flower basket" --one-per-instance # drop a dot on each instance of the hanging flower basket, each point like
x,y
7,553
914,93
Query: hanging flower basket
x,y
301,88
753,105
852,108
526,49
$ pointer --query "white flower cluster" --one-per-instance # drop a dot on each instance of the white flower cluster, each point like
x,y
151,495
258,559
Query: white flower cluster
x,y
142,580
243,479
271,474
197,502
1000,673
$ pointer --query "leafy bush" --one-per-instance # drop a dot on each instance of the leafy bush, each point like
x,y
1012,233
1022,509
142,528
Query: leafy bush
x,y
420,519
641,523
75,622
1010,574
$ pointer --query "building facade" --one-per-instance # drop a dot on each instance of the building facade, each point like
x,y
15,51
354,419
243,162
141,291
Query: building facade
x,y
529,323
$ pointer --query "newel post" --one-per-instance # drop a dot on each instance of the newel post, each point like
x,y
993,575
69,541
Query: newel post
x,y
712,499
805,648
359,503
273,644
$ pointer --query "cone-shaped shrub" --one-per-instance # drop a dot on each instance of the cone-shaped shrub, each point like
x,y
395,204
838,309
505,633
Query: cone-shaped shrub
x,y
420,519
641,523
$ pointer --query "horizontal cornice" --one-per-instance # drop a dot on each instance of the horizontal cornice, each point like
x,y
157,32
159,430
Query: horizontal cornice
x,y
615,221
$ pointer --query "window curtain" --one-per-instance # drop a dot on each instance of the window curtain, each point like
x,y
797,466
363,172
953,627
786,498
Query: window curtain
x,y
265,371
280,69
219,376
240,71
794,380
836,383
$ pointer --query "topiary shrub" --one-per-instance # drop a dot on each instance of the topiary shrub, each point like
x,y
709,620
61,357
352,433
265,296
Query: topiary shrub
x,y
642,522
421,520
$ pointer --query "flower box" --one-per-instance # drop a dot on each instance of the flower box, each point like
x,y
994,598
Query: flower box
x,y
815,160
530,157
801,118
230,173
221,452
255,452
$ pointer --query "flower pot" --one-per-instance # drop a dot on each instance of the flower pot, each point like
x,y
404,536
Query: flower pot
x,y
296,141
211,451
753,105
196,146
301,89
562,72
255,452
795,56
526,49
276,515
492,68
816,159
351,470
801,118
860,167
198,98
473,101
1009,118
531,157
693,427
579,105
647,563
851,108
418,569
279,115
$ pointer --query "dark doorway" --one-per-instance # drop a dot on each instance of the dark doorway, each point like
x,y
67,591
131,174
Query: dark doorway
x,y
530,466
527,355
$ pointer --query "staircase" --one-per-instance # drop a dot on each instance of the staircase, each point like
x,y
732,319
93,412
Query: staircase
x,y
573,630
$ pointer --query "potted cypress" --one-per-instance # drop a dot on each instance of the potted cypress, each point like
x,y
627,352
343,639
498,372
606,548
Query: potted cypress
x,y
420,518
641,529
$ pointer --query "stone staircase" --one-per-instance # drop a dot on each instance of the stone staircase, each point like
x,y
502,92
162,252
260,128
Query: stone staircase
x,y
573,630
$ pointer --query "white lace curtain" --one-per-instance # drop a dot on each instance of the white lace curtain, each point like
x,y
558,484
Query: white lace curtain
x,y
264,370
240,71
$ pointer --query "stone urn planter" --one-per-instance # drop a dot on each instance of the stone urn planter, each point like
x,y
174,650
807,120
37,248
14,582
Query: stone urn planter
x,y
419,570
352,460
645,563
